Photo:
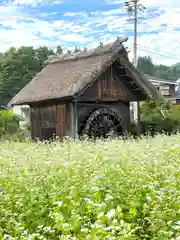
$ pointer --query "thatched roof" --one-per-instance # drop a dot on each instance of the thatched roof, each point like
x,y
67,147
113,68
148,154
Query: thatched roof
x,y
68,75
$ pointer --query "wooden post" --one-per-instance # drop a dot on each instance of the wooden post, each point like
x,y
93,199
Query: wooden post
x,y
74,120
136,115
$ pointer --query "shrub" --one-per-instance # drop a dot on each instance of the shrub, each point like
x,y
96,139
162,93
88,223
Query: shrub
x,y
160,117
9,122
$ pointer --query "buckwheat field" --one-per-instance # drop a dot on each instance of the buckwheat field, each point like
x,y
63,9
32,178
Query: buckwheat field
x,y
116,189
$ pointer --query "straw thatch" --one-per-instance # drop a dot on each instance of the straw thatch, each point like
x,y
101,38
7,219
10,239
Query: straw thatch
x,y
66,76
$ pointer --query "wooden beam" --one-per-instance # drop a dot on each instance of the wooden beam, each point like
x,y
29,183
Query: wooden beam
x,y
124,75
136,89
74,123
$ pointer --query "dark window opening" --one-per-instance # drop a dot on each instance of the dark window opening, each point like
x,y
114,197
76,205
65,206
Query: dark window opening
x,y
48,133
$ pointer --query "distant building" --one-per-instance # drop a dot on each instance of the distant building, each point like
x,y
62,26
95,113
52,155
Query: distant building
x,y
24,112
177,92
167,88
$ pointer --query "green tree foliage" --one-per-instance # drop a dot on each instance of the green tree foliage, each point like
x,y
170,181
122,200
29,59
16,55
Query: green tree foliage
x,y
9,122
59,50
85,49
146,65
18,67
69,52
76,50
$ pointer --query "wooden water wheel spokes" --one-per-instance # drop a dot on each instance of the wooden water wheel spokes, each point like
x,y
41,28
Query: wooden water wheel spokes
x,y
103,123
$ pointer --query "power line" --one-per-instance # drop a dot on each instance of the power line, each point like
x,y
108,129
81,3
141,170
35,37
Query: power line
x,y
160,52
160,25
156,53
171,9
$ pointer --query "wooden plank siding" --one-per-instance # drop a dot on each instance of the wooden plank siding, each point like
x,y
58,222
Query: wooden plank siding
x,y
60,119
35,123
49,119
109,87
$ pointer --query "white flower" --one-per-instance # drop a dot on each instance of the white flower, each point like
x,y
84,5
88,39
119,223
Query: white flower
x,y
108,198
59,203
111,213
109,228
117,227
101,214
176,227
84,230
148,198
6,236
178,222
66,164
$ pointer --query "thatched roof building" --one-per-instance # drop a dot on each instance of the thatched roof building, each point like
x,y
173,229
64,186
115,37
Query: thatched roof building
x,y
68,75
88,92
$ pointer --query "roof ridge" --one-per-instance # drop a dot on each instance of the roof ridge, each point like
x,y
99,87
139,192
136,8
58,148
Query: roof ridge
x,y
100,50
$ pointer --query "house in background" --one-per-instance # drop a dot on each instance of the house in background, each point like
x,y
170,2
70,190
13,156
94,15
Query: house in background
x,y
177,92
24,113
87,92
167,88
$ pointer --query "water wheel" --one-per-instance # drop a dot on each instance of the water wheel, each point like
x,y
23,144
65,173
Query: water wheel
x,y
104,123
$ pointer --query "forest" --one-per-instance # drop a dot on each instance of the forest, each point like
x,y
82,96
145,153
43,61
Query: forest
x,y
146,65
19,65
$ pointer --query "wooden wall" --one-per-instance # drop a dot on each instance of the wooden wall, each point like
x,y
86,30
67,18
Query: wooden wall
x,y
108,88
50,119
66,119
63,121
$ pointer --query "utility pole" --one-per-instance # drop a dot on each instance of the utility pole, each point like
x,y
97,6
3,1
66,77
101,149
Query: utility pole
x,y
135,33
132,7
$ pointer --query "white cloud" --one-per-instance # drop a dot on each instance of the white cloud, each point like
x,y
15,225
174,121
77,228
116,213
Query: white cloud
x,y
11,18
88,29
161,47
161,3
8,13
73,38
34,3
114,1
5,9
150,3
76,14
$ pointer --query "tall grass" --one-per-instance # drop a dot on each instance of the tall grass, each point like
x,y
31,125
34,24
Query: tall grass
x,y
84,190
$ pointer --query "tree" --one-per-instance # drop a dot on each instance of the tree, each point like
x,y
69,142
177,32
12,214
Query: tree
x,y
42,54
146,65
59,50
85,49
68,52
101,44
18,67
76,50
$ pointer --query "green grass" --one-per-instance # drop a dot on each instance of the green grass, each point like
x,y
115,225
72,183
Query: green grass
x,y
84,190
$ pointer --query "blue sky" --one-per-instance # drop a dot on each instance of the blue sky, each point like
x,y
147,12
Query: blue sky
x,y
82,23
